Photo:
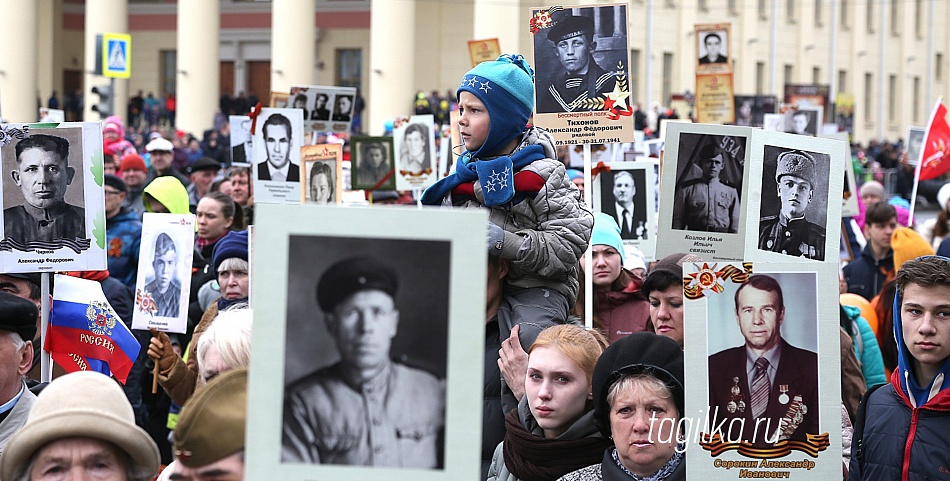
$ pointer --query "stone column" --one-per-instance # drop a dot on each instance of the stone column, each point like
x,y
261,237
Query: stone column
x,y
293,44
392,80
104,16
18,61
199,73
502,20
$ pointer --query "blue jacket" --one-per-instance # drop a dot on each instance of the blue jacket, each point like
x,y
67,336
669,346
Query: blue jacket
x,y
866,276
124,237
906,426
866,348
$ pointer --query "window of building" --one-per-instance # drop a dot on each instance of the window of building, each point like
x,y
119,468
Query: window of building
x,y
891,97
168,69
703,5
763,9
816,75
870,16
667,78
634,76
732,7
789,70
938,68
818,16
790,11
845,23
916,103
918,18
896,17
759,78
868,95
349,67
842,81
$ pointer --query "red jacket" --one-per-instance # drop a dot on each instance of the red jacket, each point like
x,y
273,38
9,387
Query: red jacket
x,y
620,313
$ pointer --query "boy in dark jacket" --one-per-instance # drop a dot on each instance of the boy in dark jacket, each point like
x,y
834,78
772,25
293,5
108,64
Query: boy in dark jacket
x,y
906,424
867,274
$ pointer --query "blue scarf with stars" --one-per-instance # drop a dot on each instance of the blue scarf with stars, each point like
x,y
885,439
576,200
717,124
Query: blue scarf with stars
x,y
495,176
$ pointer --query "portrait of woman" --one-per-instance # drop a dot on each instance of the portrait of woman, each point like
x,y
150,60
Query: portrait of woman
x,y
321,184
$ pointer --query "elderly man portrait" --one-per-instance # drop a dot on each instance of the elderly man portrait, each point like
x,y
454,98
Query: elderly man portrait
x,y
581,78
789,232
705,203
278,142
366,409
631,218
766,379
43,174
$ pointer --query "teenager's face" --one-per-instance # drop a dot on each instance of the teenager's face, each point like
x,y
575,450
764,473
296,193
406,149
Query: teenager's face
x,y
925,323
474,121
557,390
607,264
795,193
879,233
574,54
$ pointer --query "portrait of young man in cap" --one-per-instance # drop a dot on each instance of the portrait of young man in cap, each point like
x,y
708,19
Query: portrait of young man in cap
x,y
706,200
801,187
371,405
42,174
576,77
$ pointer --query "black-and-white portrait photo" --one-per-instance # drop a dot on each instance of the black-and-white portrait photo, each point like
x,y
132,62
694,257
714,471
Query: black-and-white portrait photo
x,y
713,47
763,363
794,204
372,162
416,150
802,122
366,352
165,287
624,197
321,182
915,142
580,57
709,174
43,195
242,147
321,106
300,101
342,108
280,148
751,109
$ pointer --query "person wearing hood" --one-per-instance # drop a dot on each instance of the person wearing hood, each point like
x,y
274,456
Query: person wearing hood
x,y
536,219
620,308
902,430
166,195
113,138
552,432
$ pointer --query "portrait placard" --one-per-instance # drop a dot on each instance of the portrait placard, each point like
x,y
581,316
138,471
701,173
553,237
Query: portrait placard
x,y
707,180
52,115
321,169
371,163
712,45
279,100
325,108
53,198
803,121
415,153
164,275
242,142
277,141
582,67
768,401
426,288
483,50
626,192
751,109
915,142
714,99
794,201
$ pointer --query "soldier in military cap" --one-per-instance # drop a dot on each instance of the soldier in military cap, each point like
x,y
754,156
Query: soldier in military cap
x,y
209,436
706,204
17,328
583,79
366,409
790,232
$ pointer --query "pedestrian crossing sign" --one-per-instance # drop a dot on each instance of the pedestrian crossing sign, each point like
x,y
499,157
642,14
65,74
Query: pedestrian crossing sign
x,y
116,55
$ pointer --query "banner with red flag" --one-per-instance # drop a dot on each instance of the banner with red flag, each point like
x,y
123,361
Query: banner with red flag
x,y
934,158
83,329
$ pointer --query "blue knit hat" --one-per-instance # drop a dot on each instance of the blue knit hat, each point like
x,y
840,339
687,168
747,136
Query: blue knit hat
x,y
606,232
232,245
506,87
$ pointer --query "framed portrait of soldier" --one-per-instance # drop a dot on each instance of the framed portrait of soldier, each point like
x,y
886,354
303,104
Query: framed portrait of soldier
x,y
52,195
164,272
398,393
414,145
915,142
803,121
582,64
322,106
277,141
242,142
626,193
321,169
798,190
767,385
849,193
712,45
706,177
371,162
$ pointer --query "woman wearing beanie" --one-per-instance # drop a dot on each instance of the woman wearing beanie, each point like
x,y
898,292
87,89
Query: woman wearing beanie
x,y
936,230
663,287
638,384
620,307
230,261
536,219
552,432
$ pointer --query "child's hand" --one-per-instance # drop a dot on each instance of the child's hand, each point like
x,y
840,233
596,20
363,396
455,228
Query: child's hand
x,y
513,362
496,239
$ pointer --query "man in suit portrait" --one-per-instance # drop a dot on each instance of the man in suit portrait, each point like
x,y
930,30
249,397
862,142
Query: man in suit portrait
x,y
278,141
768,384
632,220
713,43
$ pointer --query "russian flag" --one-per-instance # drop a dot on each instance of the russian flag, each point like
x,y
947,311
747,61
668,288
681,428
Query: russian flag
x,y
84,329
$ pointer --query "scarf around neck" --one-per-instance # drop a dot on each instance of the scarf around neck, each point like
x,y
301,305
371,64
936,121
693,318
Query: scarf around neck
x,y
496,176
534,458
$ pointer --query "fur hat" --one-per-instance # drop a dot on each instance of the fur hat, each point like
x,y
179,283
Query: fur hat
x,y
101,412
506,87
606,232
907,244
638,353
213,422
797,163
234,244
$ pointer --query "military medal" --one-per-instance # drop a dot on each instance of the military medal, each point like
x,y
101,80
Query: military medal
x,y
733,405
783,398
